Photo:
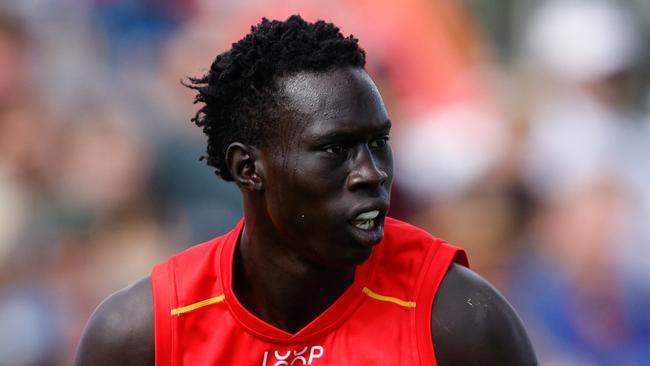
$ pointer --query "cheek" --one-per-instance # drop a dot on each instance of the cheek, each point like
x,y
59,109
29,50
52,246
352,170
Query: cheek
x,y
389,162
316,177
386,161
297,191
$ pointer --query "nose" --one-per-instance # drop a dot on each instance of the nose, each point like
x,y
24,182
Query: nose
x,y
365,172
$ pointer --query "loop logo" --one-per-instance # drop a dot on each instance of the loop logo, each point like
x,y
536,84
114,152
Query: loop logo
x,y
305,356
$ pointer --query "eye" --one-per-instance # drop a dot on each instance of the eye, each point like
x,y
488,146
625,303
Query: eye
x,y
379,143
336,149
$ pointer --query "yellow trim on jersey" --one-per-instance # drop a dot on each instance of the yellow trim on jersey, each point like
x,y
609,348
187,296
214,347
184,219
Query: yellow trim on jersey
x,y
394,300
196,305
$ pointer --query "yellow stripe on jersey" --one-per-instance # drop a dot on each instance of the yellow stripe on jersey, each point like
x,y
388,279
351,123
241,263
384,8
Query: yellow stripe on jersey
x,y
196,305
394,300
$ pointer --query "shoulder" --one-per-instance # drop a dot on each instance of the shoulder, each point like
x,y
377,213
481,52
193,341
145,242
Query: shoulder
x,y
473,324
121,330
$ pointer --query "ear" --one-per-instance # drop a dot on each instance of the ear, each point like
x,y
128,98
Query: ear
x,y
245,166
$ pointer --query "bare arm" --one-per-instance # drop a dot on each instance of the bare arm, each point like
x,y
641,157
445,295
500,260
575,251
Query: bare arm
x,y
473,324
121,330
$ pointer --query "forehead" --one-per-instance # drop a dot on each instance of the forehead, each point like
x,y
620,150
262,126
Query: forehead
x,y
334,101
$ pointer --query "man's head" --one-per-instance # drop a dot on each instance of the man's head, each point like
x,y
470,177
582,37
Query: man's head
x,y
240,92
302,129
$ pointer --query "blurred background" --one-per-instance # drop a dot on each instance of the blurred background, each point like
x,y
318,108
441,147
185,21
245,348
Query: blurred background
x,y
521,132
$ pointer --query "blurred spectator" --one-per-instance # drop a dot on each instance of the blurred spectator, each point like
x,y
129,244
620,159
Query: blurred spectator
x,y
583,161
545,179
32,321
582,120
13,62
579,306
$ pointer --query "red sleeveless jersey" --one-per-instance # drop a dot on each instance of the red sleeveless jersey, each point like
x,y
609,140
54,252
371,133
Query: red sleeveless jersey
x,y
383,318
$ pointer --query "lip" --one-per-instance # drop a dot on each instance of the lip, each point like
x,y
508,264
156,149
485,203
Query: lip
x,y
369,237
378,205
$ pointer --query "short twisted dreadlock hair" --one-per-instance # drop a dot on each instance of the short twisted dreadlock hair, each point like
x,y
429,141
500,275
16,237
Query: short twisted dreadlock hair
x,y
239,93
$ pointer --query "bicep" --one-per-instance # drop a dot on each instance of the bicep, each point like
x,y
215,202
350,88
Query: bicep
x,y
473,324
120,331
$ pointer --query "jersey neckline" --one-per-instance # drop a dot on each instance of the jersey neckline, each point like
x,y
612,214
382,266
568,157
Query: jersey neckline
x,y
331,318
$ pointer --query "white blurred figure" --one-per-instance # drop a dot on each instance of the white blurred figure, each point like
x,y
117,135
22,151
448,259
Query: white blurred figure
x,y
579,41
443,155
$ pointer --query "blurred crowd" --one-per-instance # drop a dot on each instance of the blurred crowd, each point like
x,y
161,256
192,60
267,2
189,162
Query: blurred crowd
x,y
521,132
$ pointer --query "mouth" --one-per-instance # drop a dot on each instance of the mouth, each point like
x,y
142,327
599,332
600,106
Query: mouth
x,y
368,225
366,220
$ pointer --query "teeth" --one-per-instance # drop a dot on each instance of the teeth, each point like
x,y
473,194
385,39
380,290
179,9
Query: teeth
x,y
365,225
365,220
370,215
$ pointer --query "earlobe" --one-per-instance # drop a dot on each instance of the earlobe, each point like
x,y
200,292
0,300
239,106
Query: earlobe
x,y
244,166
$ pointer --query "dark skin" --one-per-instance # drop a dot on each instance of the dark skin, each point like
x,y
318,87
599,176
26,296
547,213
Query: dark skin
x,y
300,241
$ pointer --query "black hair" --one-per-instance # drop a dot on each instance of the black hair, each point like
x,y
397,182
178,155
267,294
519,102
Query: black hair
x,y
239,94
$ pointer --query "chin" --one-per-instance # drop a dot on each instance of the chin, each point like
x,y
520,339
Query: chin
x,y
353,258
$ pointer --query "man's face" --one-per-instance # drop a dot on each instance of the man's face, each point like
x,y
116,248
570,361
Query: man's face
x,y
328,179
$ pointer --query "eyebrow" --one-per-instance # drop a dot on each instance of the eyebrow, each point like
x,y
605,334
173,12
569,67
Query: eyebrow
x,y
347,133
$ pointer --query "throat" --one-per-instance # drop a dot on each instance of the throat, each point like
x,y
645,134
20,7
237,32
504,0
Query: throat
x,y
288,297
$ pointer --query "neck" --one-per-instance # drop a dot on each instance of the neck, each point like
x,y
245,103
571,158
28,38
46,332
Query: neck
x,y
278,285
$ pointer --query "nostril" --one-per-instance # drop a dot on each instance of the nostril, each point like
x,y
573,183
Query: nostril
x,y
367,171
368,177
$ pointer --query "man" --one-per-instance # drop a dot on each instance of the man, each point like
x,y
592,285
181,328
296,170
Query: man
x,y
315,273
